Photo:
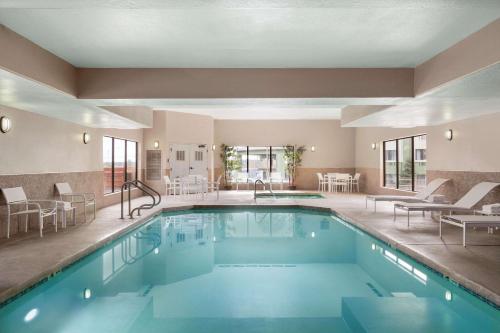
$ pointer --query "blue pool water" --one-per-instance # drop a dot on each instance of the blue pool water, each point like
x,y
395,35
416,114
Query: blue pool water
x,y
259,270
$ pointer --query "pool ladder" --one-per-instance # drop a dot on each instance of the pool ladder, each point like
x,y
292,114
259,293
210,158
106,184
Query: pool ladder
x,y
145,189
263,184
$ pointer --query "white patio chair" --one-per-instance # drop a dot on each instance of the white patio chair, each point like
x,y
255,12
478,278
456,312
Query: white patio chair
x,y
193,185
338,180
276,178
86,199
421,196
465,204
355,182
172,187
214,186
322,182
15,197
330,178
242,178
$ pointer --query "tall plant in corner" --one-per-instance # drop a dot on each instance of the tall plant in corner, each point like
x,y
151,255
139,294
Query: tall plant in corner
x,y
293,159
230,162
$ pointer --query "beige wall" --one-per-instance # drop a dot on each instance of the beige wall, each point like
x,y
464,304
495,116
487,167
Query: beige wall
x,y
334,145
470,150
471,157
40,151
39,144
182,128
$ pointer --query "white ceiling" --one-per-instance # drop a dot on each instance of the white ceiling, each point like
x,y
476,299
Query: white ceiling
x,y
253,108
20,93
253,34
475,95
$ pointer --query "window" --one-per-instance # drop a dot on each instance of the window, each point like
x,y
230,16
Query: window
x,y
119,162
259,162
390,174
405,163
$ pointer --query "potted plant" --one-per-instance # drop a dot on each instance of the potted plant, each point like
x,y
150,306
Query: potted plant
x,y
293,159
230,162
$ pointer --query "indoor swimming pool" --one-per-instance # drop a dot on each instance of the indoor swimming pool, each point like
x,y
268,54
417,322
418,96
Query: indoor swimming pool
x,y
247,270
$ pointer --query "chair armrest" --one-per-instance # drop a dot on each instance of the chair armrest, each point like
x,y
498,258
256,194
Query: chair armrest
x,y
71,197
38,202
89,196
84,194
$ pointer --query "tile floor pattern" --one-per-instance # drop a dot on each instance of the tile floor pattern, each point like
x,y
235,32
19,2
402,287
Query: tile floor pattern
x,y
27,259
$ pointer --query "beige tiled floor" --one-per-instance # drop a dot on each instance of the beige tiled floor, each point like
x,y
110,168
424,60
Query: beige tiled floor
x,y
26,259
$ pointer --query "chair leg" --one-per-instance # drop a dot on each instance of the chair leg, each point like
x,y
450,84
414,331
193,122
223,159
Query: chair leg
x,y
84,211
40,224
8,222
463,235
54,221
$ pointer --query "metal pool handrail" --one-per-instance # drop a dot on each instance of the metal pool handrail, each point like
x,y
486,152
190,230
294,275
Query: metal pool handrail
x,y
264,184
144,188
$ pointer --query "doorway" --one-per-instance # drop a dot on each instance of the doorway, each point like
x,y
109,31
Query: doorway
x,y
188,159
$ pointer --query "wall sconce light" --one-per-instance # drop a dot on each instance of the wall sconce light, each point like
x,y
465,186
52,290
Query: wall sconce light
x,y
86,137
448,296
449,134
87,293
156,144
5,124
374,145
213,147
313,148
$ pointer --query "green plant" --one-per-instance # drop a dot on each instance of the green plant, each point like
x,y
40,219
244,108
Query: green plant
x,y
293,159
230,161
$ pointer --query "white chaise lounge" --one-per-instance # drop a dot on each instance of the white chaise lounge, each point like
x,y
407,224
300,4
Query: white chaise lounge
x,y
464,221
15,197
432,187
465,204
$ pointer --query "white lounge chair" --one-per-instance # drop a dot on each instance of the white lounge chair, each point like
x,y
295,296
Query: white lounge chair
x,y
172,187
214,186
465,204
276,178
322,182
463,221
86,199
432,187
15,197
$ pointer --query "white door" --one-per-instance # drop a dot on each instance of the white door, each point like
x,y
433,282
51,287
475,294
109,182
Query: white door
x,y
179,160
188,159
198,161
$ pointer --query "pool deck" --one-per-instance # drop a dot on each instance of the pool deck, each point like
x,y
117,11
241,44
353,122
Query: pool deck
x,y
27,259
